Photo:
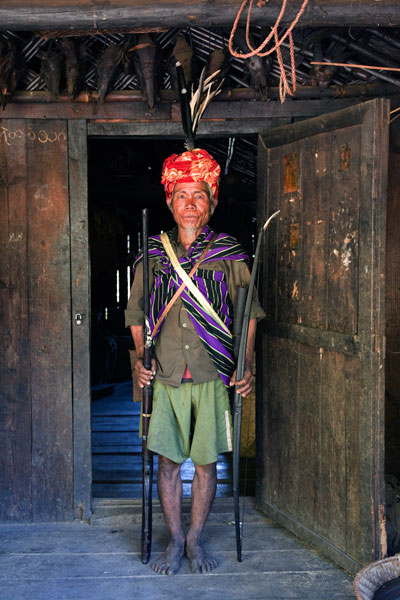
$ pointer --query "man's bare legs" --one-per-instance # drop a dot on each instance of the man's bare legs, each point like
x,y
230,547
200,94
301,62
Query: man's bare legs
x,y
170,494
203,492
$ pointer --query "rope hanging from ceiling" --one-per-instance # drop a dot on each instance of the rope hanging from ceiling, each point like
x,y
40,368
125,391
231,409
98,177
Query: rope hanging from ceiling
x,y
284,87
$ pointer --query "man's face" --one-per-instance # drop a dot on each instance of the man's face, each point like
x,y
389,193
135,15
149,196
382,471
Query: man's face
x,y
191,205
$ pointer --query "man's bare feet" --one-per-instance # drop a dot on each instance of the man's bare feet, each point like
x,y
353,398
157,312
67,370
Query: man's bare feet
x,y
169,563
200,561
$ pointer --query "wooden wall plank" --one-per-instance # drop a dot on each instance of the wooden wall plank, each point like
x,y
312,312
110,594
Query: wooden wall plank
x,y
290,235
363,90
374,160
344,231
310,497
168,129
351,385
80,304
268,202
315,186
287,432
89,110
311,440
270,433
333,450
15,404
50,318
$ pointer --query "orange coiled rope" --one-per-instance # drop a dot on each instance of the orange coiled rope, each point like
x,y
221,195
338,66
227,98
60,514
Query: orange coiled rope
x,y
284,87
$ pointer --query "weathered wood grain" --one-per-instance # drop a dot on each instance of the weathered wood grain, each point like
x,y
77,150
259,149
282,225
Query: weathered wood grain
x,y
344,230
351,384
364,90
169,111
15,405
371,323
36,373
80,305
290,235
55,560
315,188
329,340
311,499
325,372
332,515
80,14
50,318
287,432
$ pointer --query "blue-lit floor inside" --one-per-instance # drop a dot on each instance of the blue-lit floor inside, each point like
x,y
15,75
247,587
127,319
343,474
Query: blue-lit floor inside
x,y
116,450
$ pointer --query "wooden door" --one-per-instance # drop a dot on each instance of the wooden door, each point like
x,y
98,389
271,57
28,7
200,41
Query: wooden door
x,y
321,389
43,284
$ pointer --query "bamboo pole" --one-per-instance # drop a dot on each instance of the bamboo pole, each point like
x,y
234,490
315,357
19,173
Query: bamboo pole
x,y
369,90
355,66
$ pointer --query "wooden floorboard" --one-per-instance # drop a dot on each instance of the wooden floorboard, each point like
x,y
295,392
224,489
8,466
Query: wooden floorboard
x,y
101,561
75,561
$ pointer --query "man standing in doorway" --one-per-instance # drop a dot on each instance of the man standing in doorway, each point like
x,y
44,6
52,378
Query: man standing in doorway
x,y
193,364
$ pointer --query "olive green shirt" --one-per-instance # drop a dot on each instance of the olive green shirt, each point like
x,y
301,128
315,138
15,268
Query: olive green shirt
x,y
178,343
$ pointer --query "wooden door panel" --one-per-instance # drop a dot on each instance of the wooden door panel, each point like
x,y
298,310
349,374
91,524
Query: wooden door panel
x,y
315,219
290,235
343,230
324,295
322,383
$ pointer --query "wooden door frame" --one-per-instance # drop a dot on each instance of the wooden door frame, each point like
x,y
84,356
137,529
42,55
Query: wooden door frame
x,y
80,131
80,305
80,268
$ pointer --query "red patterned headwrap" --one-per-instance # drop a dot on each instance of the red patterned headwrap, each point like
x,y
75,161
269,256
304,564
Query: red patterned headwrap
x,y
187,167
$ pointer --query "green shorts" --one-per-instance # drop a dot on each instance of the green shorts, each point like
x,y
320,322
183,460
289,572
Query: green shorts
x,y
193,420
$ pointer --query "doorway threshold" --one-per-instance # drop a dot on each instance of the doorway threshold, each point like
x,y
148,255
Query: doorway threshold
x,y
115,512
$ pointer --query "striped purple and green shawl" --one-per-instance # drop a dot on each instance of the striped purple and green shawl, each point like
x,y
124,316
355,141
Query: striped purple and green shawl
x,y
211,283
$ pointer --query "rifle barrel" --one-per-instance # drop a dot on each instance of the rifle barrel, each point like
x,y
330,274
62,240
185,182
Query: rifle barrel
x,y
147,406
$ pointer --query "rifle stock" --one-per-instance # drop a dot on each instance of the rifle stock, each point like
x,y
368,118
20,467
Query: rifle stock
x,y
147,405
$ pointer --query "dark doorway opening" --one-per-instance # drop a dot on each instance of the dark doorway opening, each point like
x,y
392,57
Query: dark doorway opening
x,y
124,177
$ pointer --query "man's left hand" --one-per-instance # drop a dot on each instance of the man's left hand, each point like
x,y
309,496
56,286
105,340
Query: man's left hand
x,y
245,385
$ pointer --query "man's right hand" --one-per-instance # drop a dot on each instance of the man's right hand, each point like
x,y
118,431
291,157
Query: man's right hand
x,y
144,377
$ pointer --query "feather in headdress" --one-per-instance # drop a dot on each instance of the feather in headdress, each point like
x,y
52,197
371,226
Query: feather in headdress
x,y
193,109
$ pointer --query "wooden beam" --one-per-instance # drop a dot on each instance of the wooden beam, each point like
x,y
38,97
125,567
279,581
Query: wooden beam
x,y
364,90
23,15
170,129
167,111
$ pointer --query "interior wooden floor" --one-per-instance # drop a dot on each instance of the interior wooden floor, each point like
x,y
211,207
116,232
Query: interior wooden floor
x,y
101,561
116,451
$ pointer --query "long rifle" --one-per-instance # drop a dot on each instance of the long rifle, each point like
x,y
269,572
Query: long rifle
x,y
147,405
237,401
